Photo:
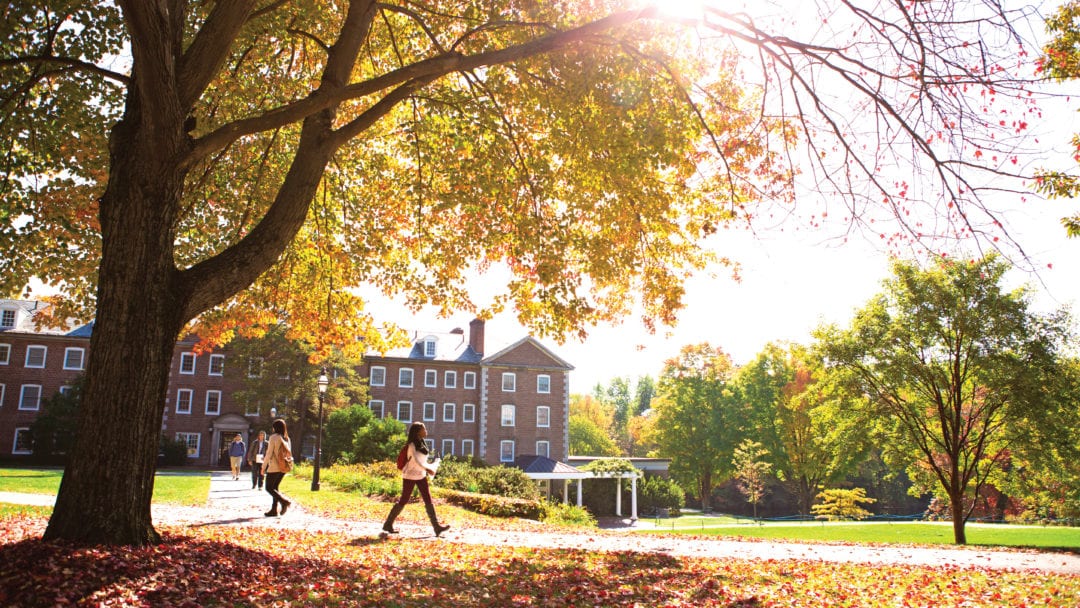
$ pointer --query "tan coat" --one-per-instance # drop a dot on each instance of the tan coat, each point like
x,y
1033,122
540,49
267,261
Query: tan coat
x,y
277,447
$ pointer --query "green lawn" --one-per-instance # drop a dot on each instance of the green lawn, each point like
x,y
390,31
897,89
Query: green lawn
x,y
178,488
932,533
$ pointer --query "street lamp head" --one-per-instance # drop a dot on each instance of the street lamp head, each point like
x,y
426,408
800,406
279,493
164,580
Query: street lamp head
x,y
323,382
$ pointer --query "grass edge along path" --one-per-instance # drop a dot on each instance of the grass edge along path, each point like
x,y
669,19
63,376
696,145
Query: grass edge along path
x,y
904,533
172,487
228,566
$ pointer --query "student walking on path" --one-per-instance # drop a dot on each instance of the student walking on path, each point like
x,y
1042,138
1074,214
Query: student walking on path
x,y
277,462
236,455
256,453
414,475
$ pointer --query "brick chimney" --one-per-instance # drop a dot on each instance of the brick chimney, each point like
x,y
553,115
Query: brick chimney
x,y
476,335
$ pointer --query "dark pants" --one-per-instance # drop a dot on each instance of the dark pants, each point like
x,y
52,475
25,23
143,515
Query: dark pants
x,y
273,480
407,486
256,475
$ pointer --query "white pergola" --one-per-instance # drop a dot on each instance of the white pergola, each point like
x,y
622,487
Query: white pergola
x,y
540,468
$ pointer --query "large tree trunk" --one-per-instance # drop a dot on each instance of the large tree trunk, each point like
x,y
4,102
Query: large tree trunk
x,y
107,487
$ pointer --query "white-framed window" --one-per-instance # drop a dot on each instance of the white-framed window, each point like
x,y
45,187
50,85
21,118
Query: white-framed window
x,y
187,363
468,412
184,397
543,416
2,389
217,365
429,347
377,377
543,383
405,377
466,447
508,414
449,411
377,407
255,367
404,411
252,408
7,318
35,356
213,403
5,354
431,377
22,443
509,382
429,411
73,357
543,448
430,444
192,441
450,379
30,397
506,450
447,448
65,390
469,381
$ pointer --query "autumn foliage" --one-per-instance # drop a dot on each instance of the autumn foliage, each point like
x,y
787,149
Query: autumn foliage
x,y
251,566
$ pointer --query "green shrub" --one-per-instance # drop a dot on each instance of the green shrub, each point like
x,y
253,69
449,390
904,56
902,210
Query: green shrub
x,y
493,506
174,452
659,493
837,504
464,475
560,513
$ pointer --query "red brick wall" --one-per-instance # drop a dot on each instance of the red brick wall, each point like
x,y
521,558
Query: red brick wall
x,y
15,375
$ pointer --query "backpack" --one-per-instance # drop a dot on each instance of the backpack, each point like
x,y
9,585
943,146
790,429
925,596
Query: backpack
x,y
285,459
403,457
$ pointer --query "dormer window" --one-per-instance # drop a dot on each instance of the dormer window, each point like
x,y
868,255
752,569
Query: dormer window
x,y
7,318
429,347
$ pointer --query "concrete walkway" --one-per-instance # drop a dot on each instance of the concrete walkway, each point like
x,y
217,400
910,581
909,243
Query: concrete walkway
x,y
235,503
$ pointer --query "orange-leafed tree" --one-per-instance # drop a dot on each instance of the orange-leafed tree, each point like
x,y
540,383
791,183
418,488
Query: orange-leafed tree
x,y
221,166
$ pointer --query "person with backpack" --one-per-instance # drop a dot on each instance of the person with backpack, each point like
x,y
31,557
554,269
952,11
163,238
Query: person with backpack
x,y
277,461
412,460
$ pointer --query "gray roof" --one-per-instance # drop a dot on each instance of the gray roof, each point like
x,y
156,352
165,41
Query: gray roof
x,y
449,347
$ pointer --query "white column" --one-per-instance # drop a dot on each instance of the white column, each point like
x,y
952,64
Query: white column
x,y
566,491
618,496
633,498
579,482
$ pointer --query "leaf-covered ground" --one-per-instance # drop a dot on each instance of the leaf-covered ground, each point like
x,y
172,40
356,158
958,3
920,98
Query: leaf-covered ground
x,y
249,566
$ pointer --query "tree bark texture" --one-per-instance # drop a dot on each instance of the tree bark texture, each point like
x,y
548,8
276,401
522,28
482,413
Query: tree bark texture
x,y
107,487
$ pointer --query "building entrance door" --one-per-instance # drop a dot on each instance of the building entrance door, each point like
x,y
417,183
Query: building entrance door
x,y
223,451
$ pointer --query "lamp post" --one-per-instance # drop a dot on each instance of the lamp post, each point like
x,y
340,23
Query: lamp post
x,y
323,383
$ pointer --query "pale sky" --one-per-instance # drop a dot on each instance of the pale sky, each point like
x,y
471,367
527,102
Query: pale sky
x,y
790,284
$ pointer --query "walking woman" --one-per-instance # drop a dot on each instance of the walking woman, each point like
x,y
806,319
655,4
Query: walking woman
x,y
276,463
415,475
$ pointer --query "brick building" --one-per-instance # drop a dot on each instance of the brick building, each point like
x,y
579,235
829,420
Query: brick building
x,y
496,407
514,402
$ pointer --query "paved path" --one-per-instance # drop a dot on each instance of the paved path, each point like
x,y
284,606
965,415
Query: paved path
x,y
235,503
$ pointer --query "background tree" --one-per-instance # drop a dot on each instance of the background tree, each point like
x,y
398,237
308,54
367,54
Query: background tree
x,y
957,369
353,435
52,433
588,439
1061,61
248,162
700,419
644,391
751,471
820,441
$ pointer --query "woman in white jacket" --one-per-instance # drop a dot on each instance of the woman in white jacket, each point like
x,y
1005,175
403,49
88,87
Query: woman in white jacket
x,y
415,475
